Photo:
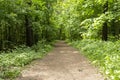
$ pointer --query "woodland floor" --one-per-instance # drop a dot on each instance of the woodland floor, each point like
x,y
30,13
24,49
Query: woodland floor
x,y
62,63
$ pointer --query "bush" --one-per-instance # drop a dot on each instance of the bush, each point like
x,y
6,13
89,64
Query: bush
x,y
106,55
12,62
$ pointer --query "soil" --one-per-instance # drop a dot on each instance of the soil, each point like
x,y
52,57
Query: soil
x,y
62,63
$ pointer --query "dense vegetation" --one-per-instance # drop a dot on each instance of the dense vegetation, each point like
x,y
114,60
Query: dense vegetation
x,y
90,25
105,55
25,33
25,22
11,63
88,19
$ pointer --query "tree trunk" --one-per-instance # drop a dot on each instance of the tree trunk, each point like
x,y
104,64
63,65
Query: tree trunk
x,y
105,32
29,32
105,27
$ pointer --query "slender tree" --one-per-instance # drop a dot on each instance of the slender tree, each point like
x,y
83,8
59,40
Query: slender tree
x,y
29,31
105,27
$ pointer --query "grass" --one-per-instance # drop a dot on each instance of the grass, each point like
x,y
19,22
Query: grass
x,y
106,55
12,62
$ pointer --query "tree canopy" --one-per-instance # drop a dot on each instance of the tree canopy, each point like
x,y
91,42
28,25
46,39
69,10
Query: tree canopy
x,y
26,22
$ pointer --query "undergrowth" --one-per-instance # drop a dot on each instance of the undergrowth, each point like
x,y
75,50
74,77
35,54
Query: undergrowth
x,y
105,55
12,62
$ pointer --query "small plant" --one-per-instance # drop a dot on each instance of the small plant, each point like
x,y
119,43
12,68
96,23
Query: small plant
x,y
11,73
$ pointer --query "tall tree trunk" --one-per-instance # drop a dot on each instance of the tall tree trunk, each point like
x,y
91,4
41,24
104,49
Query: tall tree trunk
x,y
60,33
105,27
29,32
105,32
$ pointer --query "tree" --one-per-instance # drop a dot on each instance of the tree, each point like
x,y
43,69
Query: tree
x,y
105,27
28,25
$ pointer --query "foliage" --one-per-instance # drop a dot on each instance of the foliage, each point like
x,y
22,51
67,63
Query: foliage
x,y
25,22
85,18
12,62
106,55
28,22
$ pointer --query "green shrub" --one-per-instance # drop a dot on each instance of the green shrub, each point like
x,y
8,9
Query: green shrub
x,y
12,62
106,55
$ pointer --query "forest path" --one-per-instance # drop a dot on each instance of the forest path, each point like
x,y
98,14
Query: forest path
x,y
62,63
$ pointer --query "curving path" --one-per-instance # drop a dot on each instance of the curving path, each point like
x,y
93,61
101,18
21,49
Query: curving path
x,y
63,63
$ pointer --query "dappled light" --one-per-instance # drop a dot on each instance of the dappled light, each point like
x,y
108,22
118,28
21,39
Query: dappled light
x,y
43,31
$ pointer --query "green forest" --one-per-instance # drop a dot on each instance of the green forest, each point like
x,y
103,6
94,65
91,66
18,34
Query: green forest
x,y
29,29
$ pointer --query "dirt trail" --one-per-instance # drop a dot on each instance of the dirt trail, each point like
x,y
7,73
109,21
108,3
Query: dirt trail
x,y
63,63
